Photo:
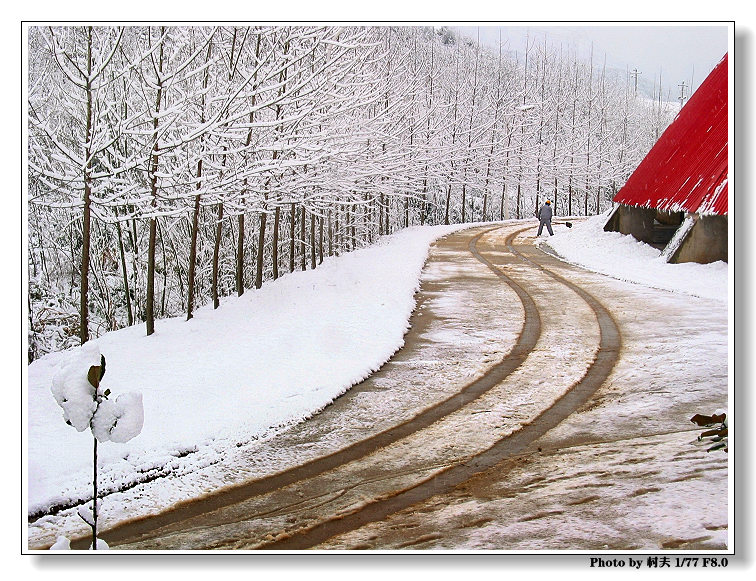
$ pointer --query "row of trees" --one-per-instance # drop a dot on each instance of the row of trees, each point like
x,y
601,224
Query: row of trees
x,y
170,166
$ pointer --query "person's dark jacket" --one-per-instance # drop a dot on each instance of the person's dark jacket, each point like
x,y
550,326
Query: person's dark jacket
x,y
545,213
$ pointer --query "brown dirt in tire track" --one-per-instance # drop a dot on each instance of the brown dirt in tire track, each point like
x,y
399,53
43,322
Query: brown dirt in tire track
x,y
448,479
504,449
526,341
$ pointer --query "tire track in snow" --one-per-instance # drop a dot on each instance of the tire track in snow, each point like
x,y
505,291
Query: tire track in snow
x,y
605,359
526,341
444,481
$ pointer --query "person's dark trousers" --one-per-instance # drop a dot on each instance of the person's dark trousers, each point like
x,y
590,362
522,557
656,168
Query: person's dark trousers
x,y
548,227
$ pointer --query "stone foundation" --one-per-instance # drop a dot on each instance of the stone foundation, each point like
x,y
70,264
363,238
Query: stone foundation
x,y
705,242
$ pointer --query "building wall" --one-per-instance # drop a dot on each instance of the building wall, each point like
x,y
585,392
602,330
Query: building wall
x,y
706,242
638,222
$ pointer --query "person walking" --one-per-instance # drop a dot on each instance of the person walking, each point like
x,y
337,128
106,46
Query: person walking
x,y
544,215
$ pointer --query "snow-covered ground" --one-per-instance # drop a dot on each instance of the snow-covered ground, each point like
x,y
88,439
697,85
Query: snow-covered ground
x,y
624,258
257,364
274,357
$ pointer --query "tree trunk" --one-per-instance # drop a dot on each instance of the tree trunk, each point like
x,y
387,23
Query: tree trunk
x,y
165,270
216,255
488,179
519,196
522,128
353,230
330,234
424,202
260,249
303,239
150,310
556,136
464,198
312,241
276,225
193,253
84,302
195,218
85,229
348,244
448,202
135,267
337,233
292,246
504,206
572,141
240,257
381,226
320,235
540,129
468,154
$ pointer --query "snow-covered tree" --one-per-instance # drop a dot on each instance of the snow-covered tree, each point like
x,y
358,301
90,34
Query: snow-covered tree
x,y
73,127
170,166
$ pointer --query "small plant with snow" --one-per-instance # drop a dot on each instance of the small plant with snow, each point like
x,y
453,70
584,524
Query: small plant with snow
x,y
77,387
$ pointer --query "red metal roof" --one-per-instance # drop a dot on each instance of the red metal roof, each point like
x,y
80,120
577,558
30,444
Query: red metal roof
x,y
686,169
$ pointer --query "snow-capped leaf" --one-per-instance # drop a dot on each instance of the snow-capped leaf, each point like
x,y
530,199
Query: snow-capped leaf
x,y
93,376
119,419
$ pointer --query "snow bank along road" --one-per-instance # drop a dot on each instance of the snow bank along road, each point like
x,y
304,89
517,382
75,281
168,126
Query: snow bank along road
x,y
503,347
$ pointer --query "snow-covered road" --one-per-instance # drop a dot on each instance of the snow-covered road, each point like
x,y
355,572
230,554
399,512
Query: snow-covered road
x,y
301,513
624,473
466,321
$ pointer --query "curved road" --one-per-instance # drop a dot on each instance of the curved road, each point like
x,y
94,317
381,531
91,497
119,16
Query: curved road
x,y
492,416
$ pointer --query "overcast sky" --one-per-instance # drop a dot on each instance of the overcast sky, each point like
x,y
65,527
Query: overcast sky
x,y
679,52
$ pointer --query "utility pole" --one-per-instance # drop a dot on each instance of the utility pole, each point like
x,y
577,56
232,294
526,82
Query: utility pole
x,y
682,96
635,72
